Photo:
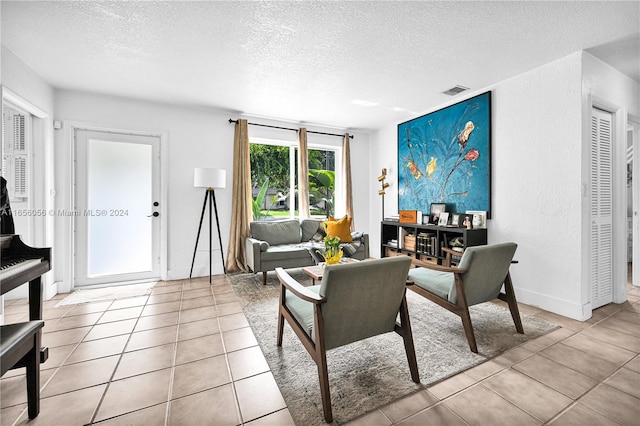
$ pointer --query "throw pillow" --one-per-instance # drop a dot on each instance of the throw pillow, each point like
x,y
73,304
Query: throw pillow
x,y
339,228
319,235
348,249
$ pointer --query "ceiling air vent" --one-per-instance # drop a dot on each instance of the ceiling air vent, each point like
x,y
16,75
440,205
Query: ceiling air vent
x,y
455,90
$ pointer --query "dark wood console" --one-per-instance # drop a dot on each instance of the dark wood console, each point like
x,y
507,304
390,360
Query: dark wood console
x,y
428,239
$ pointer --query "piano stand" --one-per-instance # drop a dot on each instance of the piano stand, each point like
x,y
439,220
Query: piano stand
x,y
44,354
20,347
35,312
21,343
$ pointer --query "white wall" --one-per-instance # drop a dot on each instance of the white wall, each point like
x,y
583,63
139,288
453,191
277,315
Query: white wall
x,y
538,132
33,93
607,88
536,179
197,137
383,154
537,157
603,81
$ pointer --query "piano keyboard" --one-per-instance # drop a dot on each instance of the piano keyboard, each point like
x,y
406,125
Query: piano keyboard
x,y
16,266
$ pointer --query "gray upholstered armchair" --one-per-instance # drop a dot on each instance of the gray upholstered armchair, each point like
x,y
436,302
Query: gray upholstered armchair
x,y
478,278
355,301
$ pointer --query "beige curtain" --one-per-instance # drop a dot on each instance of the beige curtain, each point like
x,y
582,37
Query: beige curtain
x,y
303,175
241,212
346,178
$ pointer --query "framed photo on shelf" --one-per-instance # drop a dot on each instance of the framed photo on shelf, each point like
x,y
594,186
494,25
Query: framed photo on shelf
x,y
479,218
444,219
455,220
434,212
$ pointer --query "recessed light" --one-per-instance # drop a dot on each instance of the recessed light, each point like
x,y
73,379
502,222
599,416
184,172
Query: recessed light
x,y
363,103
402,110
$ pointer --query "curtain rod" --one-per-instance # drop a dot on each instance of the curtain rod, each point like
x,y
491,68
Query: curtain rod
x,y
288,128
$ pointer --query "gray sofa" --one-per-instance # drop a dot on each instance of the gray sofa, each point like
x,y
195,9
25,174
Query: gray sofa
x,y
290,244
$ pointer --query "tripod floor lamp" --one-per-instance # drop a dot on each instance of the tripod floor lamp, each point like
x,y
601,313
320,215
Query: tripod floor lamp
x,y
210,179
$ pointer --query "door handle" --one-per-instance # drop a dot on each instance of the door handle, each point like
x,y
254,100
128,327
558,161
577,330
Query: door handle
x,y
154,214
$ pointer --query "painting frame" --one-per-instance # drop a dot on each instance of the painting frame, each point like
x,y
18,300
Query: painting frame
x,y
445,157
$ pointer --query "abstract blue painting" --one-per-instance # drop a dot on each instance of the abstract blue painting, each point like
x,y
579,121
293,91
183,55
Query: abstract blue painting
x,y
445,157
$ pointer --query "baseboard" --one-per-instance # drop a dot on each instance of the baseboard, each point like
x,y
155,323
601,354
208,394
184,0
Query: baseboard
x,y
198,271
50,290
551,304
22,292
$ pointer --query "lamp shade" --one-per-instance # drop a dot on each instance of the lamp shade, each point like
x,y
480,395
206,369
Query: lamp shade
x,y
209,178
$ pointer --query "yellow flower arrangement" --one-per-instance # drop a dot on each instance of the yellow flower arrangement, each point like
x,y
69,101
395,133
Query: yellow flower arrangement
x,y
332,260
332,252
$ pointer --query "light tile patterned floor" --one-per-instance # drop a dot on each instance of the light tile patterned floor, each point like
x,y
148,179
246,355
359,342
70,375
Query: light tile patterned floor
x,y
185,355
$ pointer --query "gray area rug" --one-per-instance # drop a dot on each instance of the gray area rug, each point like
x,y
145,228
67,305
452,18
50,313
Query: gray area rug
x,y
371,373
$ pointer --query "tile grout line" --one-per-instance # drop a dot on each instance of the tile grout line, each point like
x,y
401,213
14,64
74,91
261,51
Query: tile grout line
x,y
587,392
574,401
226,357
130,334
58,368
574,333
104,394
167,411
598,381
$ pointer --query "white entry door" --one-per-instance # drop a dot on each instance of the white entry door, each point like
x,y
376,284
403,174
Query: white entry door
x,y
117,224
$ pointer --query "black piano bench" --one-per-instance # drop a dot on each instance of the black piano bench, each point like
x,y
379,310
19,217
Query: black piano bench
x,y
20,347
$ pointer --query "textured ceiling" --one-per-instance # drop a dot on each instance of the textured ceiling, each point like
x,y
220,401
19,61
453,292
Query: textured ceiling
x,y
308,61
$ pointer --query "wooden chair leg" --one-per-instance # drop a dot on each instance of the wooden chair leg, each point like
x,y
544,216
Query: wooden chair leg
x,y
32,362
510,298
281,315
280,328
463,312
468,330
405,326
319,355
323,378
264,278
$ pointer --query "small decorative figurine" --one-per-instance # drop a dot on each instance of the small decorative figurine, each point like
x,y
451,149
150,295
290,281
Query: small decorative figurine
x,y
384,185
467,222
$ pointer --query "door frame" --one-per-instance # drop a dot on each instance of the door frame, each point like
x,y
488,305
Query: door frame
x,y
635,189
42,186
72,127
619,143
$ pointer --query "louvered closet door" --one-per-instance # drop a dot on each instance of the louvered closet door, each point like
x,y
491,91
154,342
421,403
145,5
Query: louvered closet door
x,y
601,209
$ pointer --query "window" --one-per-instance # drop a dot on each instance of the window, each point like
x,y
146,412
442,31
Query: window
x,y
322,182
274,171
